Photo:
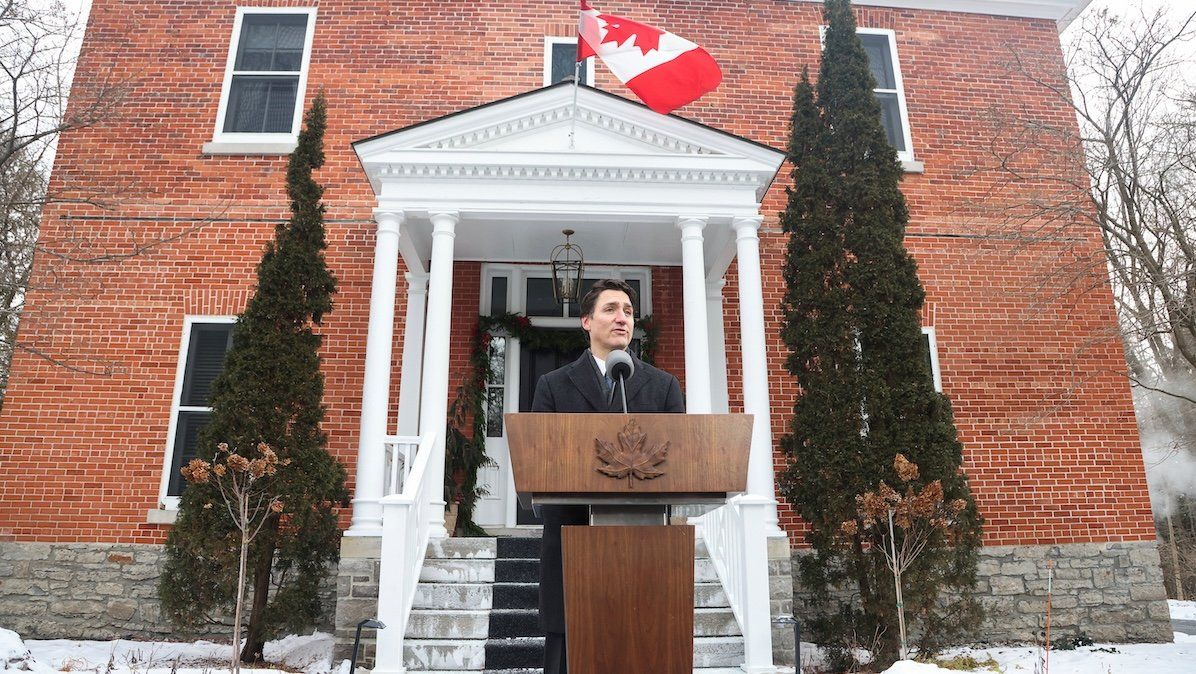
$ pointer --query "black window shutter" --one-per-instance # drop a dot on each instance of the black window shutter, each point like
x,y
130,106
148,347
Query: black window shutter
x,y
186,446
205,360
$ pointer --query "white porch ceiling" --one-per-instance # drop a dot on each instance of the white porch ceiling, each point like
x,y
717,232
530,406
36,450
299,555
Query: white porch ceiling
x,y
516,178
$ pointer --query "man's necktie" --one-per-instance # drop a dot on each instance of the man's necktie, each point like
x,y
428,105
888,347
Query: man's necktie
x,y
610,384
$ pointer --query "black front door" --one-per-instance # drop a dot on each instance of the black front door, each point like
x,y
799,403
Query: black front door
x,y
532,365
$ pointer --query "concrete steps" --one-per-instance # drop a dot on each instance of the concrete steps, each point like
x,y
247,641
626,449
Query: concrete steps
x,y
475,611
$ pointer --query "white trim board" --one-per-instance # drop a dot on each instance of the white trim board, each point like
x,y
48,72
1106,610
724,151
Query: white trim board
x,y
1061,11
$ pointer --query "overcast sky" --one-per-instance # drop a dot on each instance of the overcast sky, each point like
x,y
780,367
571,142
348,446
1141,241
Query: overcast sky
x,y
1174,6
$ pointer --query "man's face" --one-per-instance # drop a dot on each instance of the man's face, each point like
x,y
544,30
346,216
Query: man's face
x,y
611,324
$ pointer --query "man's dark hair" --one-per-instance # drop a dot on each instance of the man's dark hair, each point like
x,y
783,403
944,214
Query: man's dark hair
x,y
591,298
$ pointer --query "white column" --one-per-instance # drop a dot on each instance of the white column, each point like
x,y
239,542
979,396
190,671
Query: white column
x,y
697,347
413,354
375,390
755,363
433,411
718,346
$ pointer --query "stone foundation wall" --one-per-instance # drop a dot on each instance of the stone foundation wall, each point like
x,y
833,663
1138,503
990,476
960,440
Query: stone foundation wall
x,y
357,597
780,590
81,590
1112,592
94,591
1108,591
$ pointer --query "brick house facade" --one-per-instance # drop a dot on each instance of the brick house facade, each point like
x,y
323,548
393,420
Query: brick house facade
x,y
1041,401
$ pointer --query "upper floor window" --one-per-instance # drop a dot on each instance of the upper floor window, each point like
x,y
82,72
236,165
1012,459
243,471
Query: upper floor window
x,y
205,344
881,47
266,75
560,57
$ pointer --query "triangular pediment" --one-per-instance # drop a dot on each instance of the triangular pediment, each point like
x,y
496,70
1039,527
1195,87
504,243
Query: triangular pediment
x,y
558,119
567,128
561,149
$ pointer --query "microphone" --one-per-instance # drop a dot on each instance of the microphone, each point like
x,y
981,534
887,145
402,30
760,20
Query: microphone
x,y
620,367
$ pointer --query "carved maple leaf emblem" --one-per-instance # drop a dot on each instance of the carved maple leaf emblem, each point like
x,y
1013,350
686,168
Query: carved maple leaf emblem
x,y
632,458
619,30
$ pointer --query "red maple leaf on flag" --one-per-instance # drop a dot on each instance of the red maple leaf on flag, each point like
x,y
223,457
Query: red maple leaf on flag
x,y
619,30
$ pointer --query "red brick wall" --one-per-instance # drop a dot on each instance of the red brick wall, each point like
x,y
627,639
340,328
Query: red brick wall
x,y
667,313
1042,409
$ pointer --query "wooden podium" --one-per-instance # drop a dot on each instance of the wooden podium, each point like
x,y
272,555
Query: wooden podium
x,y
629,579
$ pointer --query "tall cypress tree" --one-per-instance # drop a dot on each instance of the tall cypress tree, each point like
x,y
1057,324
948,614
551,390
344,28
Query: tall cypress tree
x,y
853,305
270,391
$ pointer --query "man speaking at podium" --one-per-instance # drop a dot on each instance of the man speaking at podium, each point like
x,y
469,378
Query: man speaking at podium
x,y
608,316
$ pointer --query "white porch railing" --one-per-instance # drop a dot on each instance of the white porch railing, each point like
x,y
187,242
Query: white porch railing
x,y
400,454
736,539
405,526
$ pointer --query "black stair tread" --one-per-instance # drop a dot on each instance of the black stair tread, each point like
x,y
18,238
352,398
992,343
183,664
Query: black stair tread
x,y
516,570
515,623
516,596
515,653
519,547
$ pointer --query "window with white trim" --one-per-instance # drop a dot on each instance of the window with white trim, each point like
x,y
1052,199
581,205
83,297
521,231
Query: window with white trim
x,y
881,47
261,100
527,289
560,58
932,356
538,299
206,341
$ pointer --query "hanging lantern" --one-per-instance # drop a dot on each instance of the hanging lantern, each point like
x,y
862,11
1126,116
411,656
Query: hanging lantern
x,y
566,270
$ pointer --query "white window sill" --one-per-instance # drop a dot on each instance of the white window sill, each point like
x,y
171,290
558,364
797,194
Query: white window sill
x,y
161,516
249,147
913,166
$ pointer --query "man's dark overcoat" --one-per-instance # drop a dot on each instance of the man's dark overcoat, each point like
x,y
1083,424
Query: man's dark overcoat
x,y
579,387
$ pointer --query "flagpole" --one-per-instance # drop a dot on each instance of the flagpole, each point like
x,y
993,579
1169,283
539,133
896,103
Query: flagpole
x,y
573,121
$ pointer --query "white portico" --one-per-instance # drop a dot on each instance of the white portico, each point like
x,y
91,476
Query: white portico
x,y
497,184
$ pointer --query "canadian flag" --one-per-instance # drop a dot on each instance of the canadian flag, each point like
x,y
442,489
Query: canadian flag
x,y
664,70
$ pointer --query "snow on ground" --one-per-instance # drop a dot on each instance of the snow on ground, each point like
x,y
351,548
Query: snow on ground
x,y
77,656
1173,658
311,654
911,667
1182,610
12,652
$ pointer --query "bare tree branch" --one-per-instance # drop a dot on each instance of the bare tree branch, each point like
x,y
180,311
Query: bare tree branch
x,y
39,47
1135,185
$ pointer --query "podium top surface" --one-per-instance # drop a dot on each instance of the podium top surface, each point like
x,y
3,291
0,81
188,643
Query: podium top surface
x,y
629,454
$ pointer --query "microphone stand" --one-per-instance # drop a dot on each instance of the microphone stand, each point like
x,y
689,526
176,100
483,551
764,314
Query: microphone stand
x,y
621,386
